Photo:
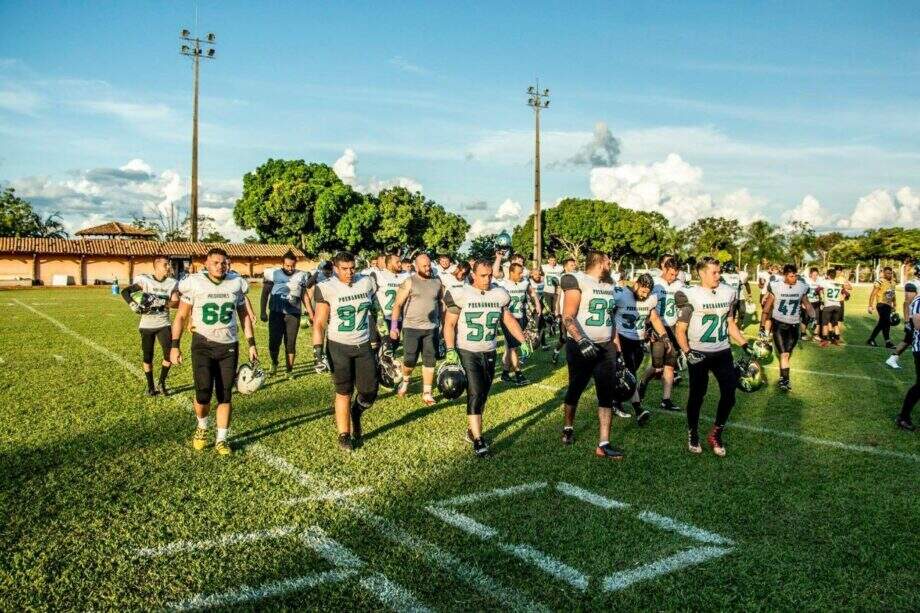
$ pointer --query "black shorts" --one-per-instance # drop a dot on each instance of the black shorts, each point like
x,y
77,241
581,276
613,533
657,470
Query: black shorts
x,y
480,370
831,315
633,353
785,336
214,369
510,341
282,326
149,336
664,354
415,342
602,368
352,367
908,335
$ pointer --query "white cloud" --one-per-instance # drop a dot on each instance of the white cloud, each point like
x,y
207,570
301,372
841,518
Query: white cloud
x,y
882,209
506,216
809,211
509,209
20,100
346,167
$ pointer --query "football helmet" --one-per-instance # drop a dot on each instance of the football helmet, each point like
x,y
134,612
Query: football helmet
x,y
624,383
249,377
750,375
762,350
895,318
389,369
503,240
728,267
146,303
451,380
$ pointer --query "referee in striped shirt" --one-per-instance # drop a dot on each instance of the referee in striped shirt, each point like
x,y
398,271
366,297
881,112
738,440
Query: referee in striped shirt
x,y
913,394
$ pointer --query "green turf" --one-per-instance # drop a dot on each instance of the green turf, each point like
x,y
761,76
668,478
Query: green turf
x,y
92,471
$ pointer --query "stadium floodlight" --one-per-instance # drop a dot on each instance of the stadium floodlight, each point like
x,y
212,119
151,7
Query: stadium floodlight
x,y
530,90
536,100
185,33
211,37
211,53
546,92
185,49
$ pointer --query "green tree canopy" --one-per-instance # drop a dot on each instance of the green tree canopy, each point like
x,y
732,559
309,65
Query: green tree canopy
x,y
482,248
800,241
710,235
17,218
762,241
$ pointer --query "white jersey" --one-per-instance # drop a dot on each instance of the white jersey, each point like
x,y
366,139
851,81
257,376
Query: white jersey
x,y
787,301
706,311
833,292
349,308
631,313
387,285
814,289
287,289
159,316
480,315
914,309
214,305
665,291
596,307
733,280
551,274
443,272
518,292
539,287
450,282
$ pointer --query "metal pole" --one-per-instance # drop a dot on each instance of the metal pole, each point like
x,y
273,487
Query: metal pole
x,y
193,200
537,222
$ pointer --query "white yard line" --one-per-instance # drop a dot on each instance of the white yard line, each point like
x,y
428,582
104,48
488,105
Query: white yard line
x,y
500,492
623,579
842,375
327,497
672,525
338,555
227,540
590,497
463,522
392,595
245,593
548,564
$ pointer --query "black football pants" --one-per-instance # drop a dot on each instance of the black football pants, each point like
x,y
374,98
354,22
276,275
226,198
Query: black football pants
x,y
722,366
480,370
913,394
884,322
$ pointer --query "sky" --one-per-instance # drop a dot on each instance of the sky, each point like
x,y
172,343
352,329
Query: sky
x,y
777,110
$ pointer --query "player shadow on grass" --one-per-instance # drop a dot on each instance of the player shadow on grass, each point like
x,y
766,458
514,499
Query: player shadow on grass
x,y
251,436
530,418
409,417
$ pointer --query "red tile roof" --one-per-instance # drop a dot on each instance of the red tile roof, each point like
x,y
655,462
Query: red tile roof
x,y
121,247
116,228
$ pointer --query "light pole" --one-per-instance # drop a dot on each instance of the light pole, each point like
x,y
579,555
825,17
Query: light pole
x,y
195,48
538,100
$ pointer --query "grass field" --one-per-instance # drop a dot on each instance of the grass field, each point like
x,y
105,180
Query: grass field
x,y
106,506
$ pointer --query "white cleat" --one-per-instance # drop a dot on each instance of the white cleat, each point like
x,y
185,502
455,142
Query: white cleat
x,y
892,361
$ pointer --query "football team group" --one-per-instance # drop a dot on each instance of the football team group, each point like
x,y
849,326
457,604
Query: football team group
x,y
454,313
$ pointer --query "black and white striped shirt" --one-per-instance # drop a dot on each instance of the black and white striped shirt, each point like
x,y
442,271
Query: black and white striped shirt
x,y
912,311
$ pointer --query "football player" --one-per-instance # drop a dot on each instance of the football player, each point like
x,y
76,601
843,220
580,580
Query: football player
x,y
732,278
636,306
418,304
521,292
814,299
764,278
154,325
664,348
444,267
346,308
284,293
388,280
569,265
882,300
913,394
588,305
832,296
910,292
782,316
552,270
538,283
475,312
215,304
703,330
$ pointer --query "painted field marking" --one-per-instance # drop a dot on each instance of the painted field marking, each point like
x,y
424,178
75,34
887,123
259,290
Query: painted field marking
x,y
327,497
245,593
392,595
58,358
227,540
564,572
841,375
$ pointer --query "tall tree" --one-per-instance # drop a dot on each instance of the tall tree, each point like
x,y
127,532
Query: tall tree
x,y
800,241
824,243
482,247
446,231
17,218
763,241
711,235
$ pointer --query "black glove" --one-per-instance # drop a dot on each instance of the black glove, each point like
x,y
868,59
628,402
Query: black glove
x,y
587,347
695,357
322,364
746,348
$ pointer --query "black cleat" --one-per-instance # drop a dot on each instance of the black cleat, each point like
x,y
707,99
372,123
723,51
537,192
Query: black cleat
x,y
619,412
668,405
693,441
905,424
784,385
356,411
506,378
151,392
642,417
568,436
889,345
520,379
480,448
161,388
871,342
608,451
345,442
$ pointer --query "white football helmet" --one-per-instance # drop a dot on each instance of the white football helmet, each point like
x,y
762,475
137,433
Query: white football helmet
x,y
249,377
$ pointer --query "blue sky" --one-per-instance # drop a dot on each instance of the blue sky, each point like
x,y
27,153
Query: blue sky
x,y
776,110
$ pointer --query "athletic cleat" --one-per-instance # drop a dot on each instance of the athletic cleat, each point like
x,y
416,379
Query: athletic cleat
x,y
151,392
568,436
428,399
693,442
784,385
889,345
222,448
668,405
608,451
619,412
871,343
200,439
345,442
643,417
403,388
904,424
892,362
715,441
520,379
506,378
480,448
162,389
469,436
356,412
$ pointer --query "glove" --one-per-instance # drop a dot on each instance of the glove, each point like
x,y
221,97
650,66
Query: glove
x,y
695,357
452,357
763,333
135,307
746,348
322,364
587,347
526,350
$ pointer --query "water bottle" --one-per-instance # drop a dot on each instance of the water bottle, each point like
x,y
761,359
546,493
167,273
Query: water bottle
x,y
115,287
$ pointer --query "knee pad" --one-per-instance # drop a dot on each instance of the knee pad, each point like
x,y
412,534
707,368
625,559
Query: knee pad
x,y
203,396
366,399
